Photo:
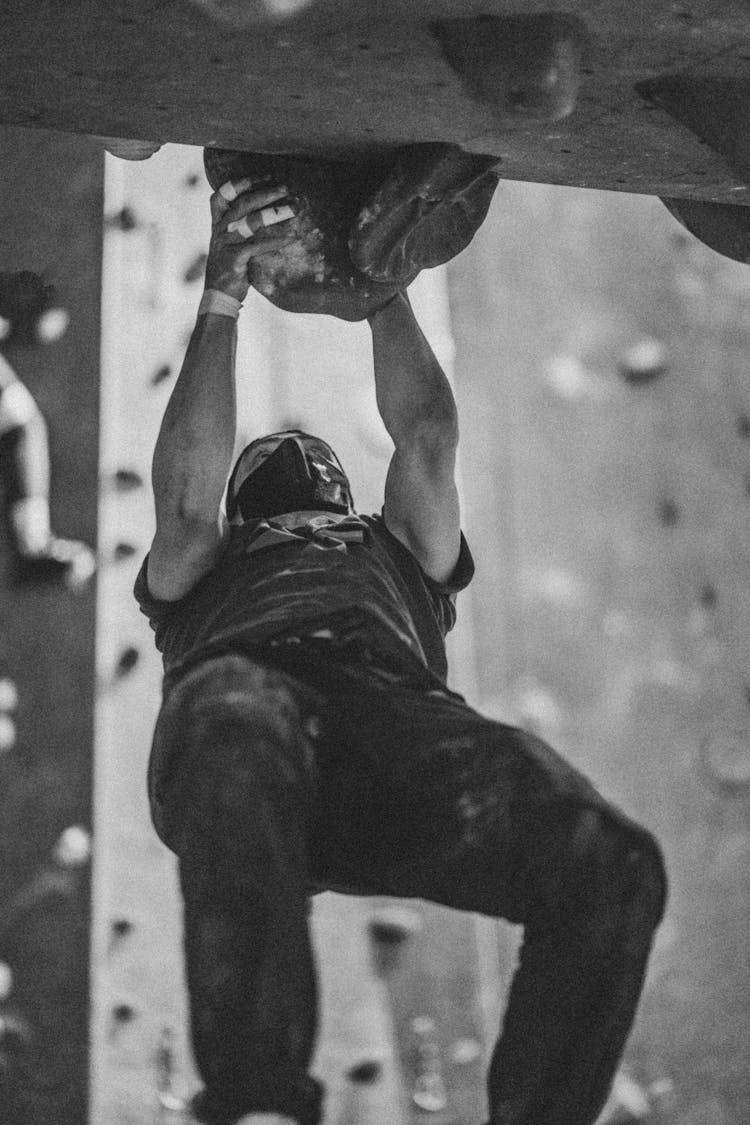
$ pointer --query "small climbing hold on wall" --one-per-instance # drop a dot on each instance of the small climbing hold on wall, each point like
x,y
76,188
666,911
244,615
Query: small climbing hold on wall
x,y
644,362
668,512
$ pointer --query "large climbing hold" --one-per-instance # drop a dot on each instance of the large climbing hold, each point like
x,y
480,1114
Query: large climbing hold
x,y
724,227
426,211
363,228
525,66
715,105
315,273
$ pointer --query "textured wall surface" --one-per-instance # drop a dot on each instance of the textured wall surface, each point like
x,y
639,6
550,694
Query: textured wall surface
x,y
350,76
50,203
601,363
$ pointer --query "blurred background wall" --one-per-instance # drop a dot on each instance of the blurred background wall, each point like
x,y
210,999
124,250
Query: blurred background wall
x,y
602,367
51,191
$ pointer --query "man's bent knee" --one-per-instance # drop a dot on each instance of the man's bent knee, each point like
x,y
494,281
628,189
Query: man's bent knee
x,y
623,880
600,868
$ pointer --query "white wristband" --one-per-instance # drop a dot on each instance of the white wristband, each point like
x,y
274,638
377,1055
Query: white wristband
x,y
214,301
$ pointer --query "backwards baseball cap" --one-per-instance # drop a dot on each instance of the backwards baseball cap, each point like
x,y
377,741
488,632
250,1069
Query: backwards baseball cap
x,y
290,471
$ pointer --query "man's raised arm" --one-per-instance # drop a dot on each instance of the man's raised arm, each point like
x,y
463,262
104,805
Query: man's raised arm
x,y
416,404
194,449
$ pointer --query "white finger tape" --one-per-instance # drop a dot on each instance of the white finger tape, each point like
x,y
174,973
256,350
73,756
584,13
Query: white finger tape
x,y
230,190
271,215
241,227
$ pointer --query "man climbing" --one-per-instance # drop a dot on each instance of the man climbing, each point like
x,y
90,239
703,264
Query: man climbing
x,y
39,556
307,739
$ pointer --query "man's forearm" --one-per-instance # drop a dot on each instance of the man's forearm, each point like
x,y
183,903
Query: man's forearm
x,y
411,388
194,449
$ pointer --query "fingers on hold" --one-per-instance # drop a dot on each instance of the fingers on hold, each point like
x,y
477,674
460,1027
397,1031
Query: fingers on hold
x,y
224,196
247,227
255,200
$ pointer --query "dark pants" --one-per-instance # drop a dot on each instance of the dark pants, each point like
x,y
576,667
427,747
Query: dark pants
x,y
347,766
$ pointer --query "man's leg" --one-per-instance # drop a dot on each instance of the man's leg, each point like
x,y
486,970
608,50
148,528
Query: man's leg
x,y
232,785
445,805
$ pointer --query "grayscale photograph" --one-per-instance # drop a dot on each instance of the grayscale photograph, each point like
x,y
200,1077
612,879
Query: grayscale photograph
x,y
375,562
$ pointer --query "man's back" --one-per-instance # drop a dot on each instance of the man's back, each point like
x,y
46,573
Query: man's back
x,y
271,577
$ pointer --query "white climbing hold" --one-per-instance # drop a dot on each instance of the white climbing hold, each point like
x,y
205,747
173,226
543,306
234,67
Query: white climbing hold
x,y
73,848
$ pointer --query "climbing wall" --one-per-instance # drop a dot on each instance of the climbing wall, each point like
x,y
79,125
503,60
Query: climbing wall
x,y
50,209
602,372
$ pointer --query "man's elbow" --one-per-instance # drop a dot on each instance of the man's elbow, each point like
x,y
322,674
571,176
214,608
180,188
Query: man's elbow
x,y
435,434
186,522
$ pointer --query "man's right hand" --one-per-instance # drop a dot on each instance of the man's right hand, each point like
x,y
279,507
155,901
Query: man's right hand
x,y
247,226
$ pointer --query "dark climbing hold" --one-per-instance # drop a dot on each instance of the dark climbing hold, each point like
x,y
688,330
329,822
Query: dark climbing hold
x,y
121,927
366,1072
388,932
743,426
123,1013
427,210
525,66
716,107
669,513
123,220
196,269
315,273
127,661
161,374
708,595
127,479
124,551
725,227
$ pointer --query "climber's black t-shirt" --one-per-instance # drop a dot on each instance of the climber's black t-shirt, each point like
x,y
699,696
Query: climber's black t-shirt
x,y
271,579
